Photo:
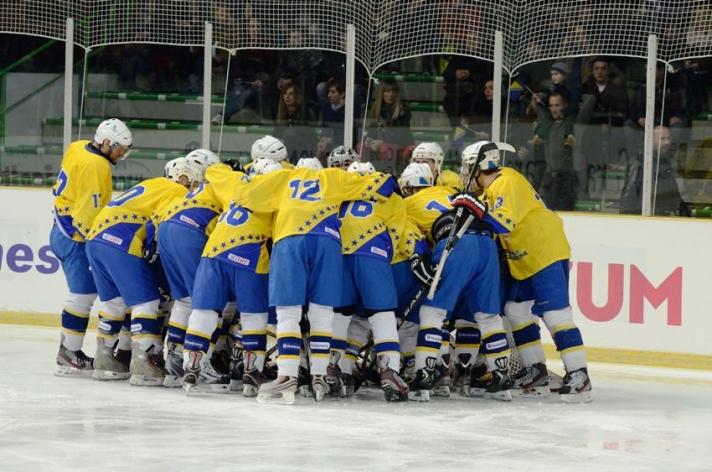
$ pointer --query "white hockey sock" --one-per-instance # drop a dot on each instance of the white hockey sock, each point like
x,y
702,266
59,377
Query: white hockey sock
x,y
467,341
289,339
356,339
145,326
75,318
339,337
525,330
321,320
567,338
254,336
125,333
178,323
429,335
408,338
111,317
494,340
201,326
385,337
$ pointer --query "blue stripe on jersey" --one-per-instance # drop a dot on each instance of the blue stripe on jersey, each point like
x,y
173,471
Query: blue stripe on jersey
x,y
66,224
388,187
118,235
329,226
196,218
496,226
244,256
378,246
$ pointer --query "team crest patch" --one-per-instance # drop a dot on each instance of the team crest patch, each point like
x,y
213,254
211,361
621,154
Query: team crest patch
x,y
499,202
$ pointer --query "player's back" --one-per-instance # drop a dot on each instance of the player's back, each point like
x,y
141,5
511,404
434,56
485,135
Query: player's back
x,y
425,206
82,189
123,221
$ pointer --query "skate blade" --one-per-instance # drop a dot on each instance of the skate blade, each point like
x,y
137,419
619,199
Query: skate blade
x,y
66,371
419,396
503,396
283,398
210,388
146,381
532,392
583,397
173,381
110,375
235,385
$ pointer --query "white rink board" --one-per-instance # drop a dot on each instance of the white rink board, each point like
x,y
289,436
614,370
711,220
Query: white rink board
x,y
636,283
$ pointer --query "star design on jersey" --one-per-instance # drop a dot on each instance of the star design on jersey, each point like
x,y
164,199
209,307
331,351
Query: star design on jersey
x,y
300,229
242,238
79,225
176,207
322,212
223,244
354,242
361,237
508,221
232,241
215,249
307,223
250,237
195,202
134,216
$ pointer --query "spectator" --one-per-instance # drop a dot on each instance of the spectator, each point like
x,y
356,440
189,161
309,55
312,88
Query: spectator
x,y
460,88
554,135
332,119
672,114
250,84
389,133
559,81
666,194
611,100
293,124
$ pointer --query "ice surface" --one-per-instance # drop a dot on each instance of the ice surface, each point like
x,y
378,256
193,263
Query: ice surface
x,y
641,419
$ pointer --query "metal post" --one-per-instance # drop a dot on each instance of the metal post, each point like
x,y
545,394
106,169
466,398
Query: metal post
x,y
649,124
68,75
497,83
207,82
349,99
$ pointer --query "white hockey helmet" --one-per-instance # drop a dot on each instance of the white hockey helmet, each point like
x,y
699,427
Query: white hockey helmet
x,y
416,174
429,152
342,156
264,166
484,154
182,167
204,157
116,132
268,147
363,168
309,163
170,167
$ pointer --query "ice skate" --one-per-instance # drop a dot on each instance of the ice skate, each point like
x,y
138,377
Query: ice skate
x,y
576,387
462,375
333,380
237,368
419,389
147,367
106,365
252,377
349,384
73,363
201,376
319,387
174,365
394,387
280,391
532,381
441,387
496,385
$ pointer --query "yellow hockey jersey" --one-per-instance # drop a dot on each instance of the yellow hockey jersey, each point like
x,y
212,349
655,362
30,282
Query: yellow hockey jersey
x,y
372,227
200,208
531,235
448,178
307,201
123,222
285,165
240,238
82,189
427,205
410,241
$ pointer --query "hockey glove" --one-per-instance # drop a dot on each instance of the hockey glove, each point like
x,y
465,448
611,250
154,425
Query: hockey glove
x,y
422,269
234,165
471,204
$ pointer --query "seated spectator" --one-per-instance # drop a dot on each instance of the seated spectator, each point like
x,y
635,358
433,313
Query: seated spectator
x,y
294,124
554,135
460,88
388,128
672,114
666,194
611,100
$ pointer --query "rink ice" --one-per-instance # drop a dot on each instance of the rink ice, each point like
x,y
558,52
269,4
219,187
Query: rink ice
x,y
640,419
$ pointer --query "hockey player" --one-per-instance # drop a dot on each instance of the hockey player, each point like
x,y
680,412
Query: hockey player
x,y
342,157
234,263
470,276
115,247
305,257
82,189
432,154
538,254
184,230
366,228
309,163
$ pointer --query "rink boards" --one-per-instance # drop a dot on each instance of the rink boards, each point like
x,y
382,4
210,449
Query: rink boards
x,y
640,287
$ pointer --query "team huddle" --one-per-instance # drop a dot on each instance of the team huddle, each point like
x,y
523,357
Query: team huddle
x,y
360,277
